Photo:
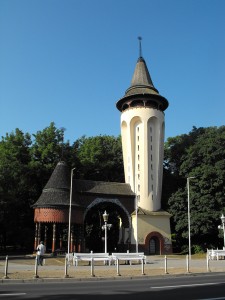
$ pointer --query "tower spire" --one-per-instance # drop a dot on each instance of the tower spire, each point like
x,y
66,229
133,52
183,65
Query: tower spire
x,y
140,49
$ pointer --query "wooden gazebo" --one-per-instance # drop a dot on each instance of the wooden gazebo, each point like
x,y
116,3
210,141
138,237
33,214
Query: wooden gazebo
x,y
51,211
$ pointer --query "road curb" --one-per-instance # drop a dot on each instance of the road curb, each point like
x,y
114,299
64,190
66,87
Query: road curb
x,y
96,278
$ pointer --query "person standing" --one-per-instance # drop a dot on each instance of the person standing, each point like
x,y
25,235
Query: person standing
x,y
40,253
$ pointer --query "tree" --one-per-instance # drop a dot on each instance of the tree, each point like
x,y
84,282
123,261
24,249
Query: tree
x,y
47,150
201,155
14,186
100,158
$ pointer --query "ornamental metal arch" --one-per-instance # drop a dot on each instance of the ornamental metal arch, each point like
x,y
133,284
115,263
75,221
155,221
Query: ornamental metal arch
x,y
98,201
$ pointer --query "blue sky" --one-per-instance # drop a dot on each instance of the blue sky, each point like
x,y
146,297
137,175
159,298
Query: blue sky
x,y
70,61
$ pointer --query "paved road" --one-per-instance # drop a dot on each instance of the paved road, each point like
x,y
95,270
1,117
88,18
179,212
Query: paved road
x,y
188,287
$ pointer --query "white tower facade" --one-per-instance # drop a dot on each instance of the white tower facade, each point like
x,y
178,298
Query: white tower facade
x,y
142,130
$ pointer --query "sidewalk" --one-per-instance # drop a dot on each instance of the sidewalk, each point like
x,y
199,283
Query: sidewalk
x,y
54,268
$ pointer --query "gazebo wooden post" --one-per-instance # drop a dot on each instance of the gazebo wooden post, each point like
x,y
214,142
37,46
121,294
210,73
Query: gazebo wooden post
x,y
71,242
60,241
39,234
36,237
75,245
45,242
79,246
53,238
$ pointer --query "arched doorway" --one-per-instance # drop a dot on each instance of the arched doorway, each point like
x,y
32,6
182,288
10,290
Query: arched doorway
x,y
154,246
93,222
154,243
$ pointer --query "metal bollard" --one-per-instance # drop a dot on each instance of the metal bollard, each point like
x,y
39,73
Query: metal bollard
x,y
66,267
36,268
207,262
127,262
187,262
142,267
92,267
117,267
166,272
6,267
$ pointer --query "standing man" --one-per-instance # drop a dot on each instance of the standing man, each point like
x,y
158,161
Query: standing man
x,y
40,253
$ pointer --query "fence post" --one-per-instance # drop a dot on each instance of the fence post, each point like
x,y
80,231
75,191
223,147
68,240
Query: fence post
x,y
66,267
166,272
6,267
207,262
142,266
92,267
127,262
187,263
118,267
36,268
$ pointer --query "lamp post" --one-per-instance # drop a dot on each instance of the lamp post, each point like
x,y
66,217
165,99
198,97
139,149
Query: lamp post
x,y
136,209
71,194
136,212
223,227
189,217
106,227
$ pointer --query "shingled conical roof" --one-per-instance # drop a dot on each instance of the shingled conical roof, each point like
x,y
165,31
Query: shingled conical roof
x,y
57,190
60,178
141,80
142,91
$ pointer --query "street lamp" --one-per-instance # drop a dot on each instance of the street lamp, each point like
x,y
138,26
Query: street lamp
x,y
106,227
189,217
223,227
71,194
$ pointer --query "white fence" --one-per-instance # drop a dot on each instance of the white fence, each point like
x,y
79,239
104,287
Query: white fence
x,y
113,265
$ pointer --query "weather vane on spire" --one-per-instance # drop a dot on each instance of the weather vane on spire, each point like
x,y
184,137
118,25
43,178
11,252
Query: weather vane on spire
x,y
140,50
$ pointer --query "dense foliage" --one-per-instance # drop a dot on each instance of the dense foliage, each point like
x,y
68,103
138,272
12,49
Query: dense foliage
x,y
200,154
27,161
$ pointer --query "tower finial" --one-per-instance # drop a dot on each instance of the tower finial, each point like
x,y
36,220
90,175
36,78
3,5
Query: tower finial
x,y
140,50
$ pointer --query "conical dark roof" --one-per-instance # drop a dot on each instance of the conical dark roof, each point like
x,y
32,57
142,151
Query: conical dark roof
x,y
141,80
142,91
57,190
60,178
